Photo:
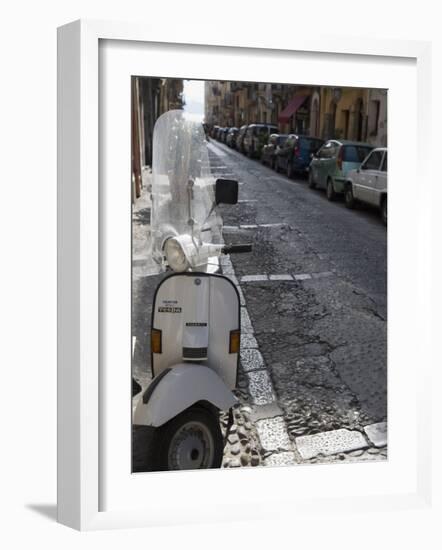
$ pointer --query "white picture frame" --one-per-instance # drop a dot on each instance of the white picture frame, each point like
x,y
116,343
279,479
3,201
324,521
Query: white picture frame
x,y
80,438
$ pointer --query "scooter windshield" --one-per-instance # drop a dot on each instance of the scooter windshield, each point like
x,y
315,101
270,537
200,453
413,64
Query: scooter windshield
x,y
183,189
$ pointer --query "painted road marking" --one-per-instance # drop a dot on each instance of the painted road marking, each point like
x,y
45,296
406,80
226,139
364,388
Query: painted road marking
x,y
245,227
303,276
252,278
285,277
330,443
273,225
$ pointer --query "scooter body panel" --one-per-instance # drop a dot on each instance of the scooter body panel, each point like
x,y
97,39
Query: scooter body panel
x,y
178,388
196,313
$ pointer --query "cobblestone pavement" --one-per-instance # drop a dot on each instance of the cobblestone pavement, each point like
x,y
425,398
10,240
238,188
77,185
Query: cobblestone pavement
x,y
313,377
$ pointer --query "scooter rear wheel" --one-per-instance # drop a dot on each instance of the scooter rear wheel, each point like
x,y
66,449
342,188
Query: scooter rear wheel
x,y
192,440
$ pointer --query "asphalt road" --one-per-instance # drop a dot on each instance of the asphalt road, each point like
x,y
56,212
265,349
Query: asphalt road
x,y
323,335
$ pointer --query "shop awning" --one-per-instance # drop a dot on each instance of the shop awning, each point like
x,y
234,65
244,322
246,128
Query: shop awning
x,y
292,107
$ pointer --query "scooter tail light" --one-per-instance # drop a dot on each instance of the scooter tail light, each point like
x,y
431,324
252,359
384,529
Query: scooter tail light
x,y
155,341
235,338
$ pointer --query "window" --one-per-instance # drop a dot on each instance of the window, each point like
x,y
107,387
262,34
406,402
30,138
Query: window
x,y
311,144
384,163
356,153
373,162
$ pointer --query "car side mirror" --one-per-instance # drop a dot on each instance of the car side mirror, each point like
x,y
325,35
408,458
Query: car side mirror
x,y
226,191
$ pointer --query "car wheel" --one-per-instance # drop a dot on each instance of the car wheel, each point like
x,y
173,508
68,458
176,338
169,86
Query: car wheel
x,y
330,192
384,210
311,180
192,440
349,197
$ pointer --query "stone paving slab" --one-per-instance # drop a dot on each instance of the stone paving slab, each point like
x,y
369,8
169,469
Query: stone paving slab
x,y
246,323
330,443
248,341
273,434
261,412
260,387
377,433
251,359
286,458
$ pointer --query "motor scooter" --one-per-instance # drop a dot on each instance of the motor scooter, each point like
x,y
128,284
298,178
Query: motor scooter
x,y
196,327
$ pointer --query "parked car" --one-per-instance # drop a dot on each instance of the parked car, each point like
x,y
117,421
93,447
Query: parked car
x,y
256,137
271,148
296,154
330,166
368,183
240,138
214,132
231,136
222,134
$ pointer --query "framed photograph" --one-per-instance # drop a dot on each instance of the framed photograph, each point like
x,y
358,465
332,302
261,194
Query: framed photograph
x,y
227,266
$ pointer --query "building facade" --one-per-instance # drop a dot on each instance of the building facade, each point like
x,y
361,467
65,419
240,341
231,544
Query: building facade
x,y
151,97
358,114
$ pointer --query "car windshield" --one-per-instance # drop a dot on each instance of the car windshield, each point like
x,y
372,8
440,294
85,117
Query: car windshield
x,y
183,191
281,139
355,153
311,144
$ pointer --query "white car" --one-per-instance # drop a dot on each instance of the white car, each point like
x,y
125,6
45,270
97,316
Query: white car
x,y
368,183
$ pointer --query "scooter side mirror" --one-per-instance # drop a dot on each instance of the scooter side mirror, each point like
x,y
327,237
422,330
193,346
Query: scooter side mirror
x,y
226,191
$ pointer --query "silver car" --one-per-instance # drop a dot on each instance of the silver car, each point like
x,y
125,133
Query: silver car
x,y
368,183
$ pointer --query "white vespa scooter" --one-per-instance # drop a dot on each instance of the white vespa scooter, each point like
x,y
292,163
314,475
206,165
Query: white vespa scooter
x,y
195,333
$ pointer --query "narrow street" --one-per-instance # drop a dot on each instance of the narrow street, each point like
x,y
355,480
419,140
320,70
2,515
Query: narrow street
x,y
314,340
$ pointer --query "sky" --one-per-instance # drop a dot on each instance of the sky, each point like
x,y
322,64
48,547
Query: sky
x,y
194,97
